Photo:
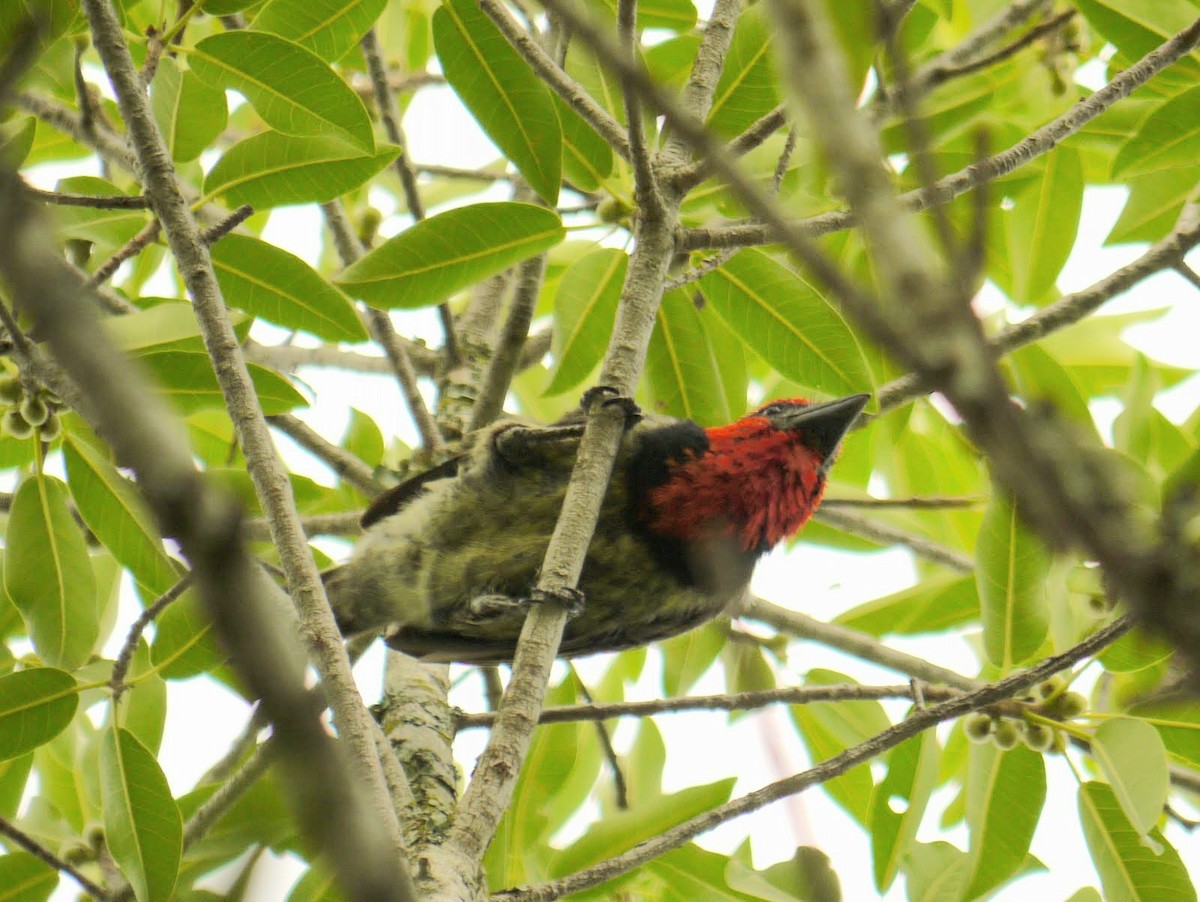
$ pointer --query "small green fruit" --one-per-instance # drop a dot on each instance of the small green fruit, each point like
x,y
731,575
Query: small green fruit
x,y
11,390
16,425
1006,735
34,410
978,726
1038,737
51,429
1070,704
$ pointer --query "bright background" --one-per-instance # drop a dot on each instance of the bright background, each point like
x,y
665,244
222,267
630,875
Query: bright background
x,y
204,718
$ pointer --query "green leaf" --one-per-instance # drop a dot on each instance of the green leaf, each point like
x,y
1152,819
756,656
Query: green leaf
x,y
563,764
1153,205
14,777
508,101
171,324
787,323
1011,568
681,367
276,170
142,825
932,606
114,510
1005,794
268,282
1168,138
1132,755
47,573
433,259
24,878
899,803
675,15
35,706
292,88
190,113
936,872
16,140
329,28
1136,27
1178,724
687,657
1134,651
585,306
364,439
587,159
748,88
109,228
1131,869
184,642
829,728
143,710
1042,225
187,378
623,830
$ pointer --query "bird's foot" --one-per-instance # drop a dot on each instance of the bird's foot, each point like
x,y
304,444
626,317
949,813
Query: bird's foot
x,y
485,608
491,607
571,599
608,396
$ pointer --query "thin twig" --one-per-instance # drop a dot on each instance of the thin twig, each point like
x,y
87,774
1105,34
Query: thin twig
x,y
918,722
96,201
925,502
342,462
37,850
886,534
129,249
854,642
733,701
124,658
556,79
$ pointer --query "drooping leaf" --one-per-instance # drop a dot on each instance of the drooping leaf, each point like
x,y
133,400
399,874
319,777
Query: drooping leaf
x,y
681,367
142,826
675,15
1042,224
829,728
899,803
1132,755
35,706
748,88
1011,567
433,259
267,281
47,573
184,641
1005,794
115,511
585,306
292,88
1131,869
508,101
190,113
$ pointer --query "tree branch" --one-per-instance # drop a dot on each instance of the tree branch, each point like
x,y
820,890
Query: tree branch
x,y
916,723
384,847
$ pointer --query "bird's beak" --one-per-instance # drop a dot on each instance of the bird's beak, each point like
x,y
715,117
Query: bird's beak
x,y
823,426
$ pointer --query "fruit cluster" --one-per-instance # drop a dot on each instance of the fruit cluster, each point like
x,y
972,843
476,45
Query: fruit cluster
x,y
1049,699
28,411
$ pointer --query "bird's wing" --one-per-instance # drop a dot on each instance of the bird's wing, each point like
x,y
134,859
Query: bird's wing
x,y
394,499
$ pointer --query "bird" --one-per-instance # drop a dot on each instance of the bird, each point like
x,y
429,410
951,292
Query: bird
x,y
448,559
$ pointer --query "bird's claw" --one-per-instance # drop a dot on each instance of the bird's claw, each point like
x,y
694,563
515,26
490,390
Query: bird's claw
x,y
608,396
484,608
571,599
